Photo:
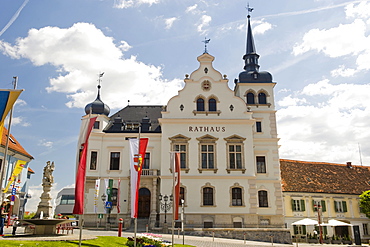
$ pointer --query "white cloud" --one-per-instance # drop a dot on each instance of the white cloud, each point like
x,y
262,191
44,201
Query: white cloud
x,y
350,39
325,122
343,71
45,143
169,22
124,46
204,22
79,53
361,10
20,121
191,9
123,4
261,27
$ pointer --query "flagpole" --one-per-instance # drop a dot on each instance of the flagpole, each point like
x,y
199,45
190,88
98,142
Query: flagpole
x,y
173,161
7,145
135,220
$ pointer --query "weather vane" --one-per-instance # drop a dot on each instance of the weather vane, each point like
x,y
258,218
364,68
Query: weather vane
x,y
249,9
100,76
206,41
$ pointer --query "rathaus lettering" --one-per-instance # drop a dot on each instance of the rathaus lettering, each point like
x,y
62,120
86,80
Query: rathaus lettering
x,y
206,129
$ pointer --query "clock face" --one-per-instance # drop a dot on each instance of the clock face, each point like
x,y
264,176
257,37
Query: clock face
x,y
206,85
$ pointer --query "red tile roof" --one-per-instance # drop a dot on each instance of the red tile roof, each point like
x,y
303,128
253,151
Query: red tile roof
x,y
321,177
14,145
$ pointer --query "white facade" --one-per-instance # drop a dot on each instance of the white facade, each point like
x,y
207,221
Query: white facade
x,y
226,189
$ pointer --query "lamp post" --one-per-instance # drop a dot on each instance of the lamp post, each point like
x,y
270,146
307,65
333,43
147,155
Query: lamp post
x,y
165,205
318,208
107,208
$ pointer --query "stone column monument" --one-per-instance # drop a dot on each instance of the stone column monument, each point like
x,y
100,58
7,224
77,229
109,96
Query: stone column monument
x,y
44,209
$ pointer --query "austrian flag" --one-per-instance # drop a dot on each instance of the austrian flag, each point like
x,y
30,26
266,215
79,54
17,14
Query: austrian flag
x,y
137,154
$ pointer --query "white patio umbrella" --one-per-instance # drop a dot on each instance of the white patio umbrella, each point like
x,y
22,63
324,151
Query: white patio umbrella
x,y
305,222
338,223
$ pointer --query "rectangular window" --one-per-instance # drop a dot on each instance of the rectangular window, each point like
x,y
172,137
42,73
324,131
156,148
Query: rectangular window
x,y
146,164
182,149
259,126
235,156
319,204
207,156
340,206
67,200
96,125
208,224
261,164
366,230
93,160
299,230
298,205
114,160
237,224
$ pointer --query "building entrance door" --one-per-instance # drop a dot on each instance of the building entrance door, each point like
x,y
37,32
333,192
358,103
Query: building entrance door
x,y
144,203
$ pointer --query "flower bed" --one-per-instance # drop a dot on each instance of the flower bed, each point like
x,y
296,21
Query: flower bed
x,y
147,240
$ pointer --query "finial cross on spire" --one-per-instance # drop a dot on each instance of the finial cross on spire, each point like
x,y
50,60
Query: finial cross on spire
x,y
249,9
206,41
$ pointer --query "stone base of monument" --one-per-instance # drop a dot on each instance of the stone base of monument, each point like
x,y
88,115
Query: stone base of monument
x,y
46,226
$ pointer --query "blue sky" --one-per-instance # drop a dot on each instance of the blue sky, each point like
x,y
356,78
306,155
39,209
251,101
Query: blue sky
x,y
317,52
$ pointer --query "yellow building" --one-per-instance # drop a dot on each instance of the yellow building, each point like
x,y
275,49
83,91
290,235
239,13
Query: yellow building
x,y
331,189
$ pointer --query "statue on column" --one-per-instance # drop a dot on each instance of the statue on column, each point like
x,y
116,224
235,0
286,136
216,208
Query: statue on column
x,y
44,209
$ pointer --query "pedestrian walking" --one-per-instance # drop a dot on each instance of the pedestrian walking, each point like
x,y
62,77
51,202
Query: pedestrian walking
x,y
3,214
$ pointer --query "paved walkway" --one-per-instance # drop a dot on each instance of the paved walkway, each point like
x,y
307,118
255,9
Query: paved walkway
x,y
190,240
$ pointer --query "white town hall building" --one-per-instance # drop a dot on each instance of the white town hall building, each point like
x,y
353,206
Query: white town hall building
x,y
230,171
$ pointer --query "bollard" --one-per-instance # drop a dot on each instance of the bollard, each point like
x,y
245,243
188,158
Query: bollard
x,y
120,223
213,236
146,228
244,237
272,240
178,232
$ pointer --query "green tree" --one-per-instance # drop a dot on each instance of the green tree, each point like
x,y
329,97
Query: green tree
x,y
365,203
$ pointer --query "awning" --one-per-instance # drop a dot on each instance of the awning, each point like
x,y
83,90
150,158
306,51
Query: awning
x,y
338,223
305,222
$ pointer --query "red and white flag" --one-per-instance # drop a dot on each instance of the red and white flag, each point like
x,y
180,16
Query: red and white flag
x,y
175,161
85,131
137,154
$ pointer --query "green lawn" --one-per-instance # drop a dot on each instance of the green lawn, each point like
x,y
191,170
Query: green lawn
x,y
106,241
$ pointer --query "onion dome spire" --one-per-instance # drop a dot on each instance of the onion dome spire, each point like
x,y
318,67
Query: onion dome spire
x,y
97,106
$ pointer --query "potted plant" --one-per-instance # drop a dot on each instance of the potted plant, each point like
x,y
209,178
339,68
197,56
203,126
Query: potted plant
x,y
346,239
312,238
336,240
326,239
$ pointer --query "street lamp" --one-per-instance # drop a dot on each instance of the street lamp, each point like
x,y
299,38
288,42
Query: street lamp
x,y
107,209
318,208
165,205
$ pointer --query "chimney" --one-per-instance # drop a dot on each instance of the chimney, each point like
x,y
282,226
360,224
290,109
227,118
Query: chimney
x,y
349,164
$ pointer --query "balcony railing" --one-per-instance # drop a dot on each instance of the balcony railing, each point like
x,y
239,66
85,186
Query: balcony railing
x,y
150,172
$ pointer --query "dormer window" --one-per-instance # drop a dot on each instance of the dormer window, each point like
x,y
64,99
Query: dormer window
x,y
200,104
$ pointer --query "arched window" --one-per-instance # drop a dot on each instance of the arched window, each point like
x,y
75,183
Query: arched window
x,y
208,196
237,197
262,98
200,104
182,195
212,105
250,98
262,199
